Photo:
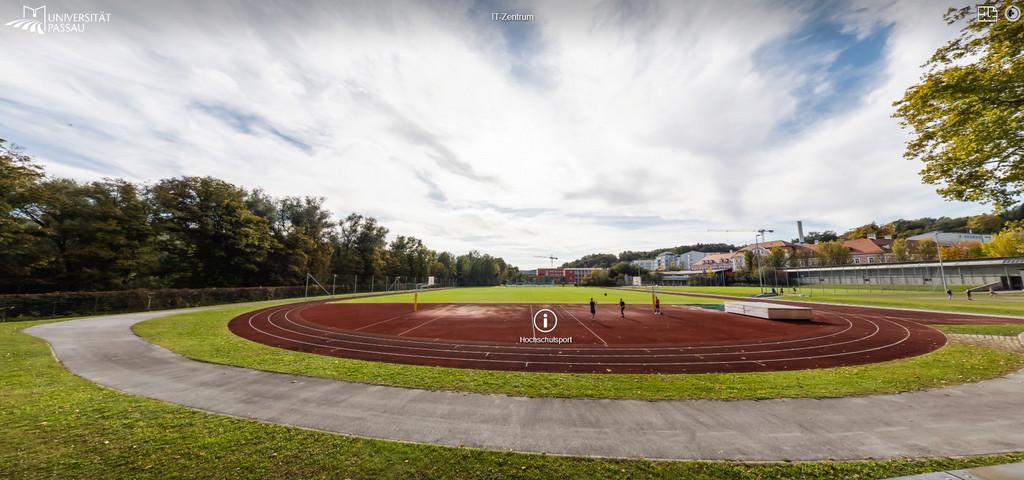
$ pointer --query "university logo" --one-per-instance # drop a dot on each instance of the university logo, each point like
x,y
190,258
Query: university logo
x,y
39,20
32,19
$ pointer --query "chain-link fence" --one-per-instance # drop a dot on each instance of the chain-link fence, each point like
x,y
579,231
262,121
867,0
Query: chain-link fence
x,y
70,304
349,283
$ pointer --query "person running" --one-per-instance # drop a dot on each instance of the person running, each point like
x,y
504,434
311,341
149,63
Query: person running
x,y
949,294
593,308
622,308
968,295
657,306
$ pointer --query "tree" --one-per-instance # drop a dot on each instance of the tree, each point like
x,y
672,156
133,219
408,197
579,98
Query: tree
x,y
208,235
303,237
19,248
1009,242
777,257
360,246
598,278
800,257
833,253
603,260
924,250
985,223
962,250
900,250
965,113
815,237
872,228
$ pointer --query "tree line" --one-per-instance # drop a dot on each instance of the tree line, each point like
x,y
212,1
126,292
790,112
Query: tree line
x,y
59,234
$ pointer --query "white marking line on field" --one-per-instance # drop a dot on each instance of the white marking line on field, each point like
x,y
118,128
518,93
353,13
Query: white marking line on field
x,y
380,322
582,325
532,326
420,325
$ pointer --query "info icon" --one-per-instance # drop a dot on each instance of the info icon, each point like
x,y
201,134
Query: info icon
x,y
1012,13
545,321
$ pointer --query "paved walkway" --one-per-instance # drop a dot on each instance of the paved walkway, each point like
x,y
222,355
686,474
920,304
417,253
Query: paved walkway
x,y
963,420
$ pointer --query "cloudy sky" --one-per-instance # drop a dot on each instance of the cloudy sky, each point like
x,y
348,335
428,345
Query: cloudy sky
x,y
596,127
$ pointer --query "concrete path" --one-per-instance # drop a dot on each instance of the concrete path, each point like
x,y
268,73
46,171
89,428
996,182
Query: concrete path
x,y
963,420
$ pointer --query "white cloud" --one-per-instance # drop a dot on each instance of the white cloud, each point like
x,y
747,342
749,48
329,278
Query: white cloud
x,y
600,126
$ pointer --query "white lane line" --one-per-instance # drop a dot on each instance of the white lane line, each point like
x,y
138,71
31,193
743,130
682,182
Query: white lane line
x,y
584,326
420,325
380,322
532,326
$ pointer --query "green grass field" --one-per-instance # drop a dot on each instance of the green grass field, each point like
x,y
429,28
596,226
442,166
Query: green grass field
x,y
536,295
57,425
204,336
983,303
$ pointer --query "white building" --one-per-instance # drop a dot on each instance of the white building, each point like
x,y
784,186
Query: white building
x,y
649,264
687,260
952,238
666,261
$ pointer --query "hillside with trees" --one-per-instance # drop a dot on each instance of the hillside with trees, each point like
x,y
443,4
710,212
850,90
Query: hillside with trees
x,y
58,234
607,260
987,223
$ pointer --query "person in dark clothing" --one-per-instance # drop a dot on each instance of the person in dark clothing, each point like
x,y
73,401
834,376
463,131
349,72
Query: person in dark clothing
x,y
657,306
593,308
949,294
622,308
968,294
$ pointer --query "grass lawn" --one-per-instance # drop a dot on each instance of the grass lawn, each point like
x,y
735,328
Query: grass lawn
x,y
57,425
205,336
982,303
535,295
1005,329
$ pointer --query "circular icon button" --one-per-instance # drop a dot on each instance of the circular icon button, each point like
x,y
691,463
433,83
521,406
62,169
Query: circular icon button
x,y
545,320
1012,13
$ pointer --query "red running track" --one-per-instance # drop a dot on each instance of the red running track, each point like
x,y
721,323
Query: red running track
x,y
684,340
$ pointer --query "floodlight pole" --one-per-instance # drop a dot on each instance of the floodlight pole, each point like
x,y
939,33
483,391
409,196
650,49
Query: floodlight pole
x,y
306,295
757,246
942,271
334,283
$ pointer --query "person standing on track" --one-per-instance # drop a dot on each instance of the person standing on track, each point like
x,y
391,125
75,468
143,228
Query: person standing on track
x,y
622,308
657,306
593,309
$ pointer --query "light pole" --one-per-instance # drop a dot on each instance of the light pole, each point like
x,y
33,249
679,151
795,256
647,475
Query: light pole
x,y
757,247
334,283
942,271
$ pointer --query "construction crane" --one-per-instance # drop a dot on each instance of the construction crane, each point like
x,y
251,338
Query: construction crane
x,y
551,258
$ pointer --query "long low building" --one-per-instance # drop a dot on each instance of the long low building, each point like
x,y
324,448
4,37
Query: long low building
x,y
1007,273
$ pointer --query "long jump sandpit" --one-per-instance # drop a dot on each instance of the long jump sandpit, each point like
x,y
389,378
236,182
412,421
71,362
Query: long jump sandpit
x,y
684,339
